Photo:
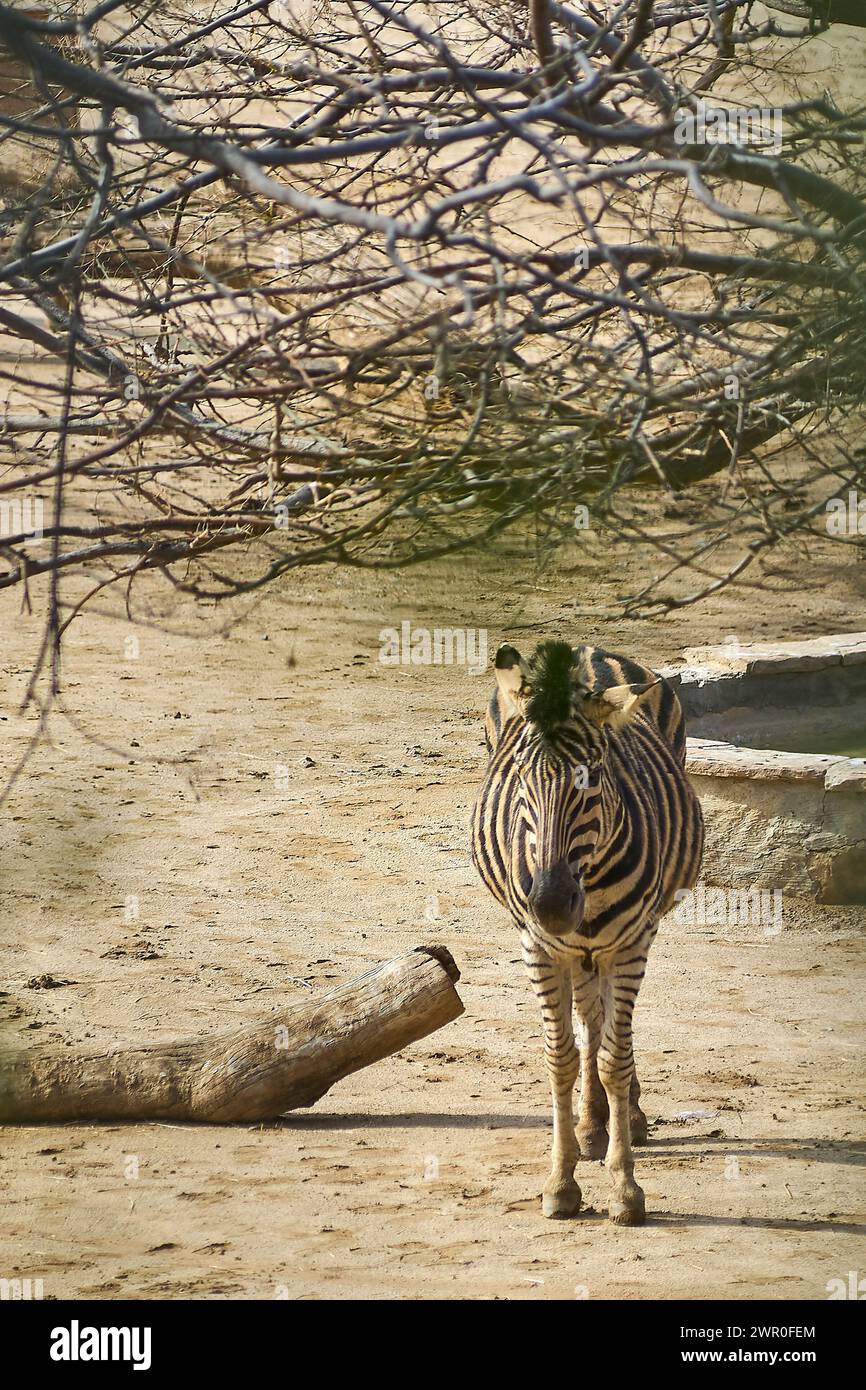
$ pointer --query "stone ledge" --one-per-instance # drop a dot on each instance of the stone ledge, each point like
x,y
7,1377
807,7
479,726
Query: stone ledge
x,y
706,757
772,658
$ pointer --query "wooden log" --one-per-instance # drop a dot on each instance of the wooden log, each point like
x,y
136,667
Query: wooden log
x,y
257,1072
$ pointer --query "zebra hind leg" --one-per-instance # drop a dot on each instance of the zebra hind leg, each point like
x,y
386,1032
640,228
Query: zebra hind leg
x,y
592,1106
637,1118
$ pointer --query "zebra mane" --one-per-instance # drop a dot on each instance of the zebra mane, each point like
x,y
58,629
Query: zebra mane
x,y
550,680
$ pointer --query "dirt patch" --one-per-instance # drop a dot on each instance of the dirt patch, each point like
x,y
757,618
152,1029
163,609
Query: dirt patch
x,y
308,820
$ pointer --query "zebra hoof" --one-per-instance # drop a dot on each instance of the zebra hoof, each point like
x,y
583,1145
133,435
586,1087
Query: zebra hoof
x,y
593,1143
628,1209
561,1201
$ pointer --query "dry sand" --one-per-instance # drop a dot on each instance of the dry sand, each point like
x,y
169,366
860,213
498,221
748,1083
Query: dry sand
x,y
287,825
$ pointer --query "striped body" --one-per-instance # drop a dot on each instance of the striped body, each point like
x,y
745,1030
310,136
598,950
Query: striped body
x,y
585,828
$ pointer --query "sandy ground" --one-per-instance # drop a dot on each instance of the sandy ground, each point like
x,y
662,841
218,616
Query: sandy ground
x,y
287,811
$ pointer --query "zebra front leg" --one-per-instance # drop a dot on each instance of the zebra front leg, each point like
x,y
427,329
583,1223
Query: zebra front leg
x,y
552,985
627,1206
592,1106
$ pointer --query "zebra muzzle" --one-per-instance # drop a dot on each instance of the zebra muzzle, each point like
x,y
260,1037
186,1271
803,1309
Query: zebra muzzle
x,y
556,899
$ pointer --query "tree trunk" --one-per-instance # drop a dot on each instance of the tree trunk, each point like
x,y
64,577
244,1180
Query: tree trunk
x,y
257,1072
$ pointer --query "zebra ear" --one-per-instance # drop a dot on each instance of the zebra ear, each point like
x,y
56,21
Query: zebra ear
x,y
511,671
619,703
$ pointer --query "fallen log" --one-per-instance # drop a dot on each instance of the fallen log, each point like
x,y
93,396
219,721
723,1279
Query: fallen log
x,y
256,1072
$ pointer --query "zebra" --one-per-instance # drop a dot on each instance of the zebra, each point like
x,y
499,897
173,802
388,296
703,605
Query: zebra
x,y
585,827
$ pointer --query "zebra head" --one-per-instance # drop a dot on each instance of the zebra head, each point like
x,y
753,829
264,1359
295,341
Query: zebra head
x,y
558,751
